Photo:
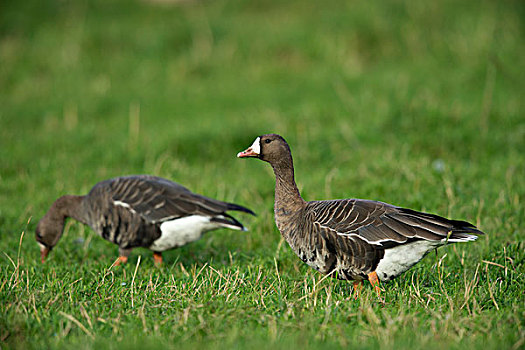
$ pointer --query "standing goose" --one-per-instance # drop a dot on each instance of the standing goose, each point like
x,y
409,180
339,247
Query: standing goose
x,y
352,239
138,211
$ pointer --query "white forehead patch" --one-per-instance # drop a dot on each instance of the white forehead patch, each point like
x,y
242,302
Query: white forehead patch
x,y
256,145
42,247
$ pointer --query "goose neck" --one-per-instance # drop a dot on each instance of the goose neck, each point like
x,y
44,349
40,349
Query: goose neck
x,y
287,196
70,206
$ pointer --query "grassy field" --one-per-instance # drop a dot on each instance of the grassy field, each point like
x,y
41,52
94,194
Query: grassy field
x,y
419,104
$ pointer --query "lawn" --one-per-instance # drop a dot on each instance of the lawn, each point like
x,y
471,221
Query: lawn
x,y
418,104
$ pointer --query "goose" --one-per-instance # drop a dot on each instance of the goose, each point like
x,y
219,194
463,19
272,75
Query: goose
x,y
351,239
138,211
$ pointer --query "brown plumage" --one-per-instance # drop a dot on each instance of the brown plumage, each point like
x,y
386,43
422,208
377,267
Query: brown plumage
x,y
139,211
351,239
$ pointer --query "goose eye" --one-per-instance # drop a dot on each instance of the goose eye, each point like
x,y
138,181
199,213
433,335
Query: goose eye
x,y
267,141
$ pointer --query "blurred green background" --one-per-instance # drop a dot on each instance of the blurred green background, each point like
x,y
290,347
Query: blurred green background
x,y
418,104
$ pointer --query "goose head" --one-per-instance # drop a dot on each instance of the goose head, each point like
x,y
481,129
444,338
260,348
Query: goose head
x,y
271,148
50,228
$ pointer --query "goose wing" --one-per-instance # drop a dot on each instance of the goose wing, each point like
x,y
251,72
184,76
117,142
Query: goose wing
x,y
385,225
158,199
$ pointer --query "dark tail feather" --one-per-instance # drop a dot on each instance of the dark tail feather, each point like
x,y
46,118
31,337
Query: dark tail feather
x,y
467,227
232,206
460,230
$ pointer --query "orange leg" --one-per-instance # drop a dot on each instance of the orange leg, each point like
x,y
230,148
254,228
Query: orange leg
x,y
121,260
157,258
358,286
374,281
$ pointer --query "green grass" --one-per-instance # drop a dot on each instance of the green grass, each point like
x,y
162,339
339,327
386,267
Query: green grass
x,y
415,104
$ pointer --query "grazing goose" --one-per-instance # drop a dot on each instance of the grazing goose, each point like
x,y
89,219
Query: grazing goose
x,y
352,239
138,211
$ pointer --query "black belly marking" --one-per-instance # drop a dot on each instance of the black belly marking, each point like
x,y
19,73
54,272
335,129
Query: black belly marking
x,y
106,231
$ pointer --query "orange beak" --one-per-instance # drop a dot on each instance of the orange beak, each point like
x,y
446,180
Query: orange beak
x,y
44,251
247,153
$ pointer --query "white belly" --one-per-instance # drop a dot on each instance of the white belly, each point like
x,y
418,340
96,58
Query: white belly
x,y
178,232
399,259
